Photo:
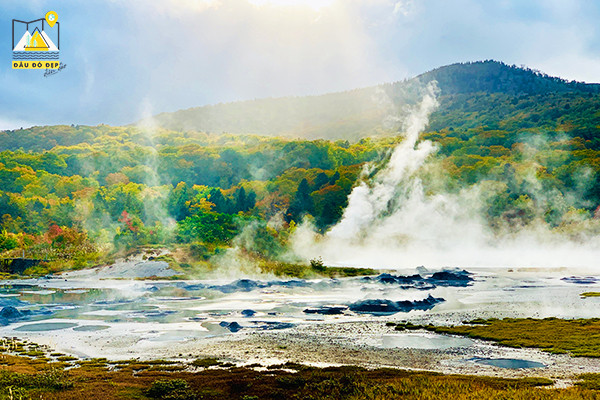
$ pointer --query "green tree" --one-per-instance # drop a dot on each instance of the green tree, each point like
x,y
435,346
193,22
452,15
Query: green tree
x,y
7,241
178,203
302,203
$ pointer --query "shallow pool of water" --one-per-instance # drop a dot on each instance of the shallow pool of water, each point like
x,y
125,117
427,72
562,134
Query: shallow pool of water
x,y
45,326
92,315
512,363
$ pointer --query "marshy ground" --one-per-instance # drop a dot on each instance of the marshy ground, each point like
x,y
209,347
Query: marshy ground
x,y
255,339
30,371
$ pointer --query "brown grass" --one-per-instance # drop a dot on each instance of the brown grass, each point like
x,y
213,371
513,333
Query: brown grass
x,y
578,337
98,379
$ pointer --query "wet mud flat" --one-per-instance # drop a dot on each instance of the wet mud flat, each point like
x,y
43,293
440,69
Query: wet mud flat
x,y
319,322
367,343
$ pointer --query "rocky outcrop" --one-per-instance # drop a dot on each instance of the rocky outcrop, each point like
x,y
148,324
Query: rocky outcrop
x,y
391,307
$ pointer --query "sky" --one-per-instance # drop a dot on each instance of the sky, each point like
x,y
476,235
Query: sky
x,y
126,60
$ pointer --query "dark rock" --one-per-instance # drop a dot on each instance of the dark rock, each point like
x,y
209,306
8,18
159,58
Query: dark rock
x,y
425,304
196,286
10,313
415,281
248,313
273,325
581,280
386,278
451,278
232,326
404,280
11,301
247,285
241,285
326,310
375,306
391,307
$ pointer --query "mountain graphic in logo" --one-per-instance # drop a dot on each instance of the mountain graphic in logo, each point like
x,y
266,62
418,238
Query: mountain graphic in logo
x,y
39,43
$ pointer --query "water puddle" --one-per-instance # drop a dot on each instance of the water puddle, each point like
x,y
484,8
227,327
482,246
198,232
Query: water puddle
x,y
512,363
45,326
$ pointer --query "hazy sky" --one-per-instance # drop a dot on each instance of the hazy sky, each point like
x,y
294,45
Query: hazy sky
x,y
128,59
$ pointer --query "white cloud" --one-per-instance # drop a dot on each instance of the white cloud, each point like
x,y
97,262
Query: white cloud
x,y
186,53
403,7
176,8
7,123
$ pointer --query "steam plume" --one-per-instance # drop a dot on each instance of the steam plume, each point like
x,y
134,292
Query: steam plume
x,y
392,221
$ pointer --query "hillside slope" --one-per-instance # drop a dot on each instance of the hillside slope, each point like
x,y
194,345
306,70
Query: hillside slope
x,y
485,93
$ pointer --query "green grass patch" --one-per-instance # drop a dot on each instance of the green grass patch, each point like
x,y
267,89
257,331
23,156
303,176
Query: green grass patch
x,y
25,378
66,358
35,353
172,389
305,271
577,337
206,362
167,368
347,272
402,326
589,381
14,385
590,294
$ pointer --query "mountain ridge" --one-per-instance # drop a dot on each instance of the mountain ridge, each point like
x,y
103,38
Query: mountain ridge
x,y
375,110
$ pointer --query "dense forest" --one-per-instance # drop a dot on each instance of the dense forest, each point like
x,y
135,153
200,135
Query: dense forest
x,y
74,194
104,188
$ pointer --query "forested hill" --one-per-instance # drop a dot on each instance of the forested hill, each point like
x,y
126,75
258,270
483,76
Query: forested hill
x,y
527,143
486,93
496,77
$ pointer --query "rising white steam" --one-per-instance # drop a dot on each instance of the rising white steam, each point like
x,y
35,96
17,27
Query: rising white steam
x,y
154,195
368,203
392,222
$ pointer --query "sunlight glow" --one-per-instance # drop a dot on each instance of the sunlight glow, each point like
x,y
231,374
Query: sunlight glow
x,y
314,4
